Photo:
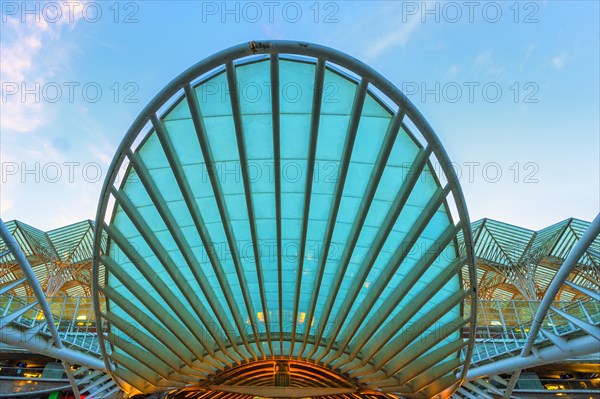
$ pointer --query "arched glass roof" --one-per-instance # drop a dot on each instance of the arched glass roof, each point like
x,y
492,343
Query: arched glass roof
x,y
277,209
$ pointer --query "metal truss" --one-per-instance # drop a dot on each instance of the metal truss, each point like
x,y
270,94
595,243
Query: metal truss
x,y
61,259
29,323
517,263
555,333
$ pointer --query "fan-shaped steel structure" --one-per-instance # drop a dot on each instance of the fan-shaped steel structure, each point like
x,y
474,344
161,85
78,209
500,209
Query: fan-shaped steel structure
x,y
282,222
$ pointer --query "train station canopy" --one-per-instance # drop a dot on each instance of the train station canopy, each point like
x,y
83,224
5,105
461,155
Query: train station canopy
x,y
282,222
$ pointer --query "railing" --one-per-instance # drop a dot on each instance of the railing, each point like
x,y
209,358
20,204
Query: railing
x,y
73,318
10,389
30,373
503,326
29,380
570,384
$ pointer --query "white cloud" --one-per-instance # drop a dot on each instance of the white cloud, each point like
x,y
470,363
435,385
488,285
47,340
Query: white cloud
x,y
485,62
559,61
483,58
453,70
33,51
272,31
104,153
530,50
396,38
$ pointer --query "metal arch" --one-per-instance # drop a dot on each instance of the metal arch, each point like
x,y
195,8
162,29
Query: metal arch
x,y
12,245
306,49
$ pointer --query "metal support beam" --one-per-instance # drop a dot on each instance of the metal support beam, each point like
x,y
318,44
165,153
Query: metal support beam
x,y
281,392
561,276
586,291
244,306
576,347
12,245
33,343
207,154
557,282
310,168
234,97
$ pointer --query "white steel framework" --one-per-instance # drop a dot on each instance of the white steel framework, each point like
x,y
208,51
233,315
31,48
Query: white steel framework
x,y
369,298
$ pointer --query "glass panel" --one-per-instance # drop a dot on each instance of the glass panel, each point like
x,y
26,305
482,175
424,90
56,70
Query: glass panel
x,y
223,205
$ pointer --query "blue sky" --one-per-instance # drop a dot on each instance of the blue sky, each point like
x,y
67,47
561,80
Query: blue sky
x,y
512,90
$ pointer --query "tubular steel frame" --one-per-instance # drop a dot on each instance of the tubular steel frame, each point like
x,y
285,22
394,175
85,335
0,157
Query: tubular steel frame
x,y
561,347
557,282
12,245
274,49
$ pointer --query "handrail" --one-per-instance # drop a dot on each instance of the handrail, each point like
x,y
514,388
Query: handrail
x,y
509,335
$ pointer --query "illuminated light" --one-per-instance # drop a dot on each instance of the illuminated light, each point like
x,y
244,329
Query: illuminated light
x,y
367,284
301,317
496,323
261,317
82,317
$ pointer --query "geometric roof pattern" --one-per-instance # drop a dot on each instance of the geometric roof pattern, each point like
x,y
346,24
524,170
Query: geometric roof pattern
x,y
253,236
61,258
514,262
